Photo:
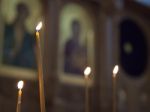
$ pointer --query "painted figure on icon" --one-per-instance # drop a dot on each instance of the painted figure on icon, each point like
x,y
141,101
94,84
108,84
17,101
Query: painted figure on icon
x,y
18,48
75,53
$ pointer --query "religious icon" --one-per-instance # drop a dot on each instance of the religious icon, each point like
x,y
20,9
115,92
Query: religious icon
x,y
75,56
134,48
75,42
18,49
17,41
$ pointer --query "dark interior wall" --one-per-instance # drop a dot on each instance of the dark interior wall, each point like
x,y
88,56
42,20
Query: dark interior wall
x,y
30,99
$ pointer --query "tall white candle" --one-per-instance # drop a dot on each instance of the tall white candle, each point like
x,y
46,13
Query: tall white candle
x,y
40,68
20,86
114,87
87,72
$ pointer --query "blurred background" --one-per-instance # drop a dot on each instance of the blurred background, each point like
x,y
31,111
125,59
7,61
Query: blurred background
x,y
76,34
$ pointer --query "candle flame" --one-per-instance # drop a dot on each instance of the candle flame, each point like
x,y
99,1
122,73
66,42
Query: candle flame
x,y
87,71
115,70
20,84
39,26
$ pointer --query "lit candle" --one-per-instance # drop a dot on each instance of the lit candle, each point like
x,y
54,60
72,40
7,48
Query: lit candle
x,y
20,86
87,72
114,85
40,68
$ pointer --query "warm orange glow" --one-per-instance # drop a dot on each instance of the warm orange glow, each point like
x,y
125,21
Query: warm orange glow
x,y
20,84
87,71
115,70
39,26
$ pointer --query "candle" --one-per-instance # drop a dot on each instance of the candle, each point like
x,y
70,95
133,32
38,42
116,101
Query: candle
x,y
20,86
114,85
40,68
87,72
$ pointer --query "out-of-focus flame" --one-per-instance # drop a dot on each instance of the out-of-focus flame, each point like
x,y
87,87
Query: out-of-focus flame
x,y
39,26
20,84
87,71
115,70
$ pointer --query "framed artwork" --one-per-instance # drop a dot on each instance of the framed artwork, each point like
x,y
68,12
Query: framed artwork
x,y
76,42
77,29
17,45
134,77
